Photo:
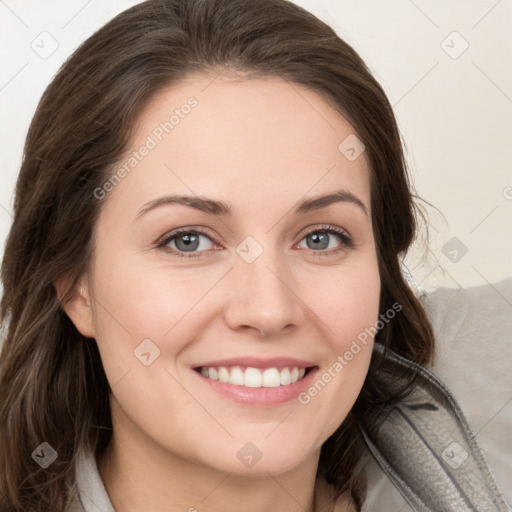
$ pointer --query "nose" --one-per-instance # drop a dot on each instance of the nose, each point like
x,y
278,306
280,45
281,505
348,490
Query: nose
x,y
262,297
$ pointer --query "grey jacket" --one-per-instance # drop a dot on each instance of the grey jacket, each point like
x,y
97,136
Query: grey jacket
x,y
426,447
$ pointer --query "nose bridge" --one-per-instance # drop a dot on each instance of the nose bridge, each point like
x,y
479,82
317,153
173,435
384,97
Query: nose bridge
x,y
262,295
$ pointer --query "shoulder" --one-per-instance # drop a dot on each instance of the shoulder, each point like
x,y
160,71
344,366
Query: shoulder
x,y
473,331
480,309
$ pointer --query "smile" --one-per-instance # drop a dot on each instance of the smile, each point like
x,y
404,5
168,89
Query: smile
x,y
254,377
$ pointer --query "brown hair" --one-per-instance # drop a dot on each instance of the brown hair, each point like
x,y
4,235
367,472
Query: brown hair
x,y
52,384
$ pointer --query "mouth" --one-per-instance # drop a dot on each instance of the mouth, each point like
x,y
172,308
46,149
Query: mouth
x,y
251,377
256,387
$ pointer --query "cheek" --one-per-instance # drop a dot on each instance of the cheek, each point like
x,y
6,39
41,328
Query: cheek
x,y
146,301
346,300
348,307
133,304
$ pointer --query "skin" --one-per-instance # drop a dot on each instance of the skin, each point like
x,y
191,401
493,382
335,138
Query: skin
x,y
260,145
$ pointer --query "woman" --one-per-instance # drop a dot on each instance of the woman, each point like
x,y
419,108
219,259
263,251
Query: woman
x,y
202,281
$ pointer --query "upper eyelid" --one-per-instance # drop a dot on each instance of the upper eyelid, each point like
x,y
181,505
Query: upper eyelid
x,y
322,227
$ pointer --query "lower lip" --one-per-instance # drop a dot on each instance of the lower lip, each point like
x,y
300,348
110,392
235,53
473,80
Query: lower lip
x,y
261,396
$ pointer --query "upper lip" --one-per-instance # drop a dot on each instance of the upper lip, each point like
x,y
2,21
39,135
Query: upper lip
x,y
258,362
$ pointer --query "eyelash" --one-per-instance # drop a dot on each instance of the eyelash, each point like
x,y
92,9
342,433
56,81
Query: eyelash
x,y
346,241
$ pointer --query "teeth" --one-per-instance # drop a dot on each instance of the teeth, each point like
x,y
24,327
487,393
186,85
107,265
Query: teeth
x,y
236,376
223,374
285,377
271,378
254,377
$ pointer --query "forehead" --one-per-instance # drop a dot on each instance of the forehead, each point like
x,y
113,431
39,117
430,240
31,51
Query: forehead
x,y
247,138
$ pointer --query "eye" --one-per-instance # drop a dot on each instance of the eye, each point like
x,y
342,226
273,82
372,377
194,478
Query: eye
x,y
193,243
327,237
188,243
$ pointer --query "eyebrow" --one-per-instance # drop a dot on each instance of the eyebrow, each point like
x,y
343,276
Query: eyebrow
x,y
213,207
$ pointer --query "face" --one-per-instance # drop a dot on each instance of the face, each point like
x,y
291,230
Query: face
x,y
257,270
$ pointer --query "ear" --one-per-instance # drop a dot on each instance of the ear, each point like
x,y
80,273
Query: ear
x,y
78,303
